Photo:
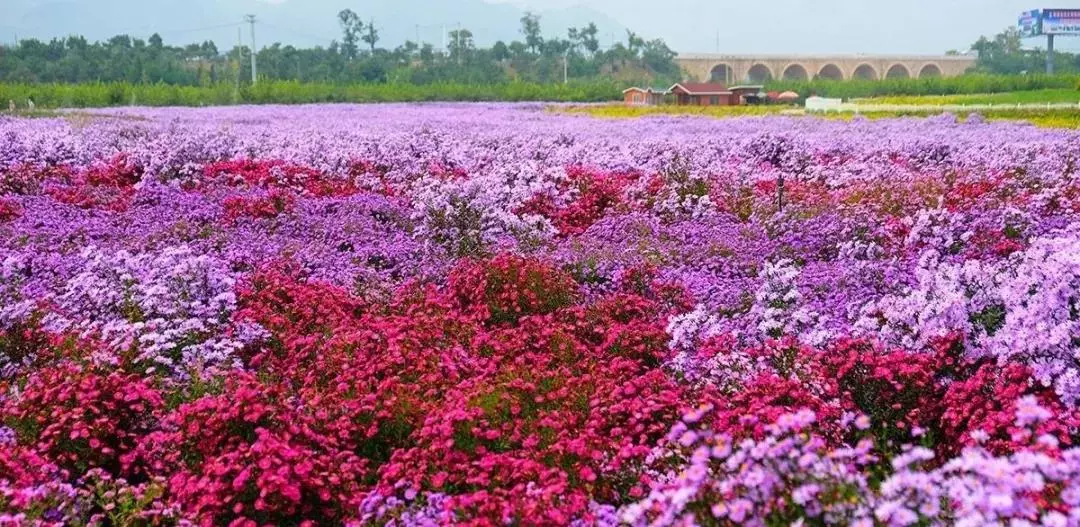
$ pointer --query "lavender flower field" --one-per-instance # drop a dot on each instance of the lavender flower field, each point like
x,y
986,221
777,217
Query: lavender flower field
x,y
419,315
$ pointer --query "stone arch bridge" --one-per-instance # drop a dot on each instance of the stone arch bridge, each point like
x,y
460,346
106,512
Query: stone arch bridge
x,y
733,69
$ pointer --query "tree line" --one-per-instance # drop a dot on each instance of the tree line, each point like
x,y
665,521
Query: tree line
x,y
356,57
1005,54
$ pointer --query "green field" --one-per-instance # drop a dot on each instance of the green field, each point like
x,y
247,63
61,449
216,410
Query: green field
x,y
965,84
98,95
1045,118
1062,95
621,111
1056,118
1024,90
967,89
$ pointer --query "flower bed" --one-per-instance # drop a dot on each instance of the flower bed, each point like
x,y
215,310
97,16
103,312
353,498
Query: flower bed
x,y
491,314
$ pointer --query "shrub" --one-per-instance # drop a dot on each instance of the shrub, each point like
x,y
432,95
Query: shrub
x,y
79,418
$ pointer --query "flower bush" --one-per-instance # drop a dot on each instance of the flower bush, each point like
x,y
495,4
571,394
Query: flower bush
x,y
81,419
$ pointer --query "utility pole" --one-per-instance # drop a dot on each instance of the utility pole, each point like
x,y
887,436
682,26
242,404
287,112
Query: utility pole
x,y
1049,53
565,59
254,69
444,39
417,35
239,57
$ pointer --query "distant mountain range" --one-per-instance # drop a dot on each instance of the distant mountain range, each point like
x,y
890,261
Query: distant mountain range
x,y
298,22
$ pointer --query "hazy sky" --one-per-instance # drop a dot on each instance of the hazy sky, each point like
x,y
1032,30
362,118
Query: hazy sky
x,y
814,26
732,26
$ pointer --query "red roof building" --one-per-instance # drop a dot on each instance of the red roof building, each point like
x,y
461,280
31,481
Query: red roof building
x,y
644,96
710,94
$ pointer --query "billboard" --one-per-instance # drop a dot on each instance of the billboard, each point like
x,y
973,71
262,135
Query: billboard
x,y
1060,22
1028,24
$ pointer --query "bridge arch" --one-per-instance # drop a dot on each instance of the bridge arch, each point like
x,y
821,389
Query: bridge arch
x,y
930,70
831,72
866,72
735,68
759,73
898,71
722,73
795,72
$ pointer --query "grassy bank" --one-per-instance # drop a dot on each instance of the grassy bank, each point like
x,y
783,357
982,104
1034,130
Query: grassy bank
x,y
1043,118
966,89
967,84
1063,95
99,95
48,96
620,111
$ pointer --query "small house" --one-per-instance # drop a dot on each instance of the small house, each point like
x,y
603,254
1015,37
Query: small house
x,y
748,94
711,94
635,96
701,94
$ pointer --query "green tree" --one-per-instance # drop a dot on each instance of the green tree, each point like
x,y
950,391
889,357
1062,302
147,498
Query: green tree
x,y
585,37
634,43
122,58
530,27
660,59
371,35
427,54
556,47
351,30
1004,54
517,49
461,45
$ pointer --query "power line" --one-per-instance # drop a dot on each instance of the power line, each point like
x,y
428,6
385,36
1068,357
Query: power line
x,y
145,31
239,55
142,28
194,29
187,30
295,32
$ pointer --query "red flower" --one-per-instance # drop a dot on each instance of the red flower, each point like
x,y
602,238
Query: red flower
x,y
9,210
81,419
